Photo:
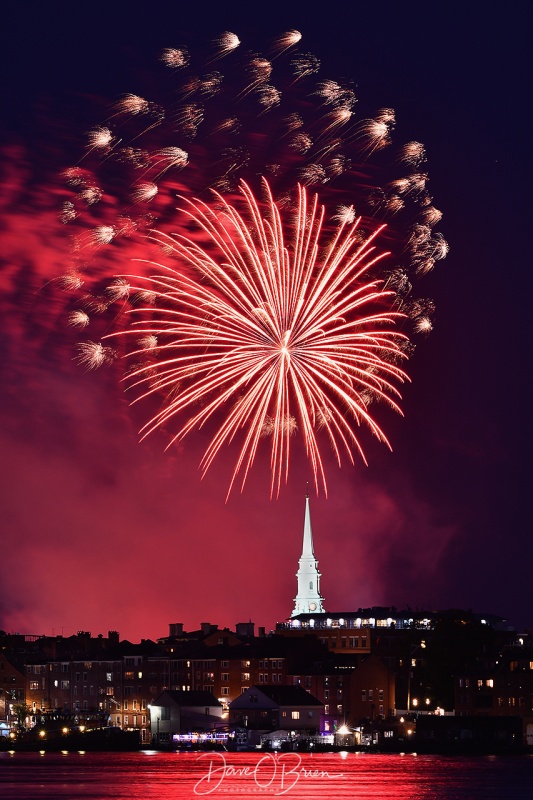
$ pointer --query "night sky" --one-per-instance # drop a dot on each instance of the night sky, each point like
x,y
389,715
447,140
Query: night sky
x,y
103,532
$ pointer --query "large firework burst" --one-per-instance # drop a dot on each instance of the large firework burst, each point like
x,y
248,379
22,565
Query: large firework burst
x,y
266,316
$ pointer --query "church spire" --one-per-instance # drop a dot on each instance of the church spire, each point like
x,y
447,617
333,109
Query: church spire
x,y
308,599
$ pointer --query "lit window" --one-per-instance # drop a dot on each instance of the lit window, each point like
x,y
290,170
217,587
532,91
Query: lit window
x,y
295,715
490,683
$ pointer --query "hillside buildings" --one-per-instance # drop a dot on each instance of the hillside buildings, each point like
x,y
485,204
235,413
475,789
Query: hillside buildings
x,y
367,671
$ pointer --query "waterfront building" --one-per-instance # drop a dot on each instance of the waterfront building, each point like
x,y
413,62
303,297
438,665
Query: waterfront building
x,y
175,713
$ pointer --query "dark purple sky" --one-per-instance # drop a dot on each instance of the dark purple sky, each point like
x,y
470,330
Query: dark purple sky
x,y
101,532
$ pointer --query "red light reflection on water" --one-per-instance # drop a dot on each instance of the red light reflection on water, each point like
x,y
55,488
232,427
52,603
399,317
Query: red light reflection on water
x,y
327,776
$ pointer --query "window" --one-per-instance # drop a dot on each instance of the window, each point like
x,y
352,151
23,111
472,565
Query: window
x,y
295,715
339,708
125,705
225,691
363,695
65,684
245,676
109,676
128,676
143,719
245,663
224,676
34,684
354,641
363,641
370,694
311,585
110,691
126,719
326,709
381,697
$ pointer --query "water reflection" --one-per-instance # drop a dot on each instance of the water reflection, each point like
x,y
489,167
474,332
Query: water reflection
x,y
152,775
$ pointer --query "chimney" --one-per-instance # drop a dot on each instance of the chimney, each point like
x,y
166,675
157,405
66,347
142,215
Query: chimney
x,y
175,628
113,637
245,629
207,628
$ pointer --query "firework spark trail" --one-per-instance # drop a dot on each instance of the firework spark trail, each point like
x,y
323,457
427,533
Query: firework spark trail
x,y
266,325
283,315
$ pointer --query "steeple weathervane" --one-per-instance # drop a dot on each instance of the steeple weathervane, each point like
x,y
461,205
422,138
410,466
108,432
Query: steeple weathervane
x,y
308,599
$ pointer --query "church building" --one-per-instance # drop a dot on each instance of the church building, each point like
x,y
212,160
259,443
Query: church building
x,y
308,600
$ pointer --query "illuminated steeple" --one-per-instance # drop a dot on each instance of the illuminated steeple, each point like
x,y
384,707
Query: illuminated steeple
x,y
308,599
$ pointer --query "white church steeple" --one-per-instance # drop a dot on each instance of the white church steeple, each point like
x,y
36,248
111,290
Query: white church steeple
x,y
308,599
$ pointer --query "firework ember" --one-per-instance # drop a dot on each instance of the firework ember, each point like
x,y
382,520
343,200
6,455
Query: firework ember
x,y
280,305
